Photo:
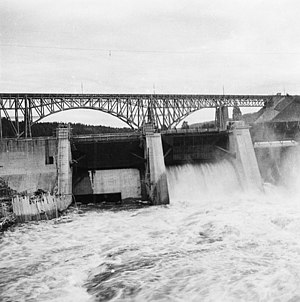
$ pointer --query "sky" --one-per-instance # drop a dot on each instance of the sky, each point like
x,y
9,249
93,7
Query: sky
x,y
137,46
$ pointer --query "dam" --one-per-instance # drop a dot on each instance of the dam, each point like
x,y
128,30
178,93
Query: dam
x,y
125,167
119,167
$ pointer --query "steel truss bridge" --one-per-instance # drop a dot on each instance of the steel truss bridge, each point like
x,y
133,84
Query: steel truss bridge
x,y
164,110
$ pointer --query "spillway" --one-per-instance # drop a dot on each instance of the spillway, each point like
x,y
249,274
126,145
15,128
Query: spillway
x,y
202,183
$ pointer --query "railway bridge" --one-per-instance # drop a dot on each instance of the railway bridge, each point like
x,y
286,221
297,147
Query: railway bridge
x,y
163,110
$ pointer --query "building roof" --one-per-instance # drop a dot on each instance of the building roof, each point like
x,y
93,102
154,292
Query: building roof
x,y
282,109
290,113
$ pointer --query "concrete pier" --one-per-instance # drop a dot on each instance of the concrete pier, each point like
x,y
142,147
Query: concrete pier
x,y
240,144
157,185
64,159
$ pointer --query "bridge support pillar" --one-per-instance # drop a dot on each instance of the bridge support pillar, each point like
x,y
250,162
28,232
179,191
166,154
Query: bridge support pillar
x,y
246,164
221,117
64,158
156,178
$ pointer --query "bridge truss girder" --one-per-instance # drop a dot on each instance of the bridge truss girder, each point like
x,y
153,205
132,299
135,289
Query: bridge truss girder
x,y
166,110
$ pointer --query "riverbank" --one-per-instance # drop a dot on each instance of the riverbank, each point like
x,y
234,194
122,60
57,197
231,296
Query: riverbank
x,y
7,221
7,217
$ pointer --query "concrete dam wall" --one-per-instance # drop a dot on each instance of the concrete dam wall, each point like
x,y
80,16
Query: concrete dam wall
x,y
39,171
118,167
29,164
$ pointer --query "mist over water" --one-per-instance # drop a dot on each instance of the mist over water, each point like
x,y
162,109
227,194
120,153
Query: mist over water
x,y
214,242
205,183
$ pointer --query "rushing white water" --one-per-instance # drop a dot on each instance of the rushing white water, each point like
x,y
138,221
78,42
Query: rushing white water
x,y
214,242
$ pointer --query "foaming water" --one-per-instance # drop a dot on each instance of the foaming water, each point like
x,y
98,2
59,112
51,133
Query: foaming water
x,y
203,183
214,242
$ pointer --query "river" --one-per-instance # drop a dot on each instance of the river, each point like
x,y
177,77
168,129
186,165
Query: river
x,y
214,242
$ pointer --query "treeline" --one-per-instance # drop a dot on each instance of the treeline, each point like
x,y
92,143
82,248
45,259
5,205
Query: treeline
x,y
48,129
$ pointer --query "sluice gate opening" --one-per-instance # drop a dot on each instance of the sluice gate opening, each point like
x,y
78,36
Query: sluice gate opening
x,y
192,147
109,198
108,169
114,169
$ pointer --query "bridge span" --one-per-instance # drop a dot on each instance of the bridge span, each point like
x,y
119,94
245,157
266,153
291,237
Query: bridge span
x,y
164,110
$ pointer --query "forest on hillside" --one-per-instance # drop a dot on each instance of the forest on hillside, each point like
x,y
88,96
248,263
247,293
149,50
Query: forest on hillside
x,y
48,128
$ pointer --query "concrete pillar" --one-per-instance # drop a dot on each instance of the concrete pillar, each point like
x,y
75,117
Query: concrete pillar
x,y
246,164
157,186
64,158
221,117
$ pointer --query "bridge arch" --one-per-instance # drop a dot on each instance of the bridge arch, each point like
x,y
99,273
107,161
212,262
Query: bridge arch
x,y
121,118
183,117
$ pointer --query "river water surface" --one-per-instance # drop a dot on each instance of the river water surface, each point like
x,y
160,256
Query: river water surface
x,y
214,242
